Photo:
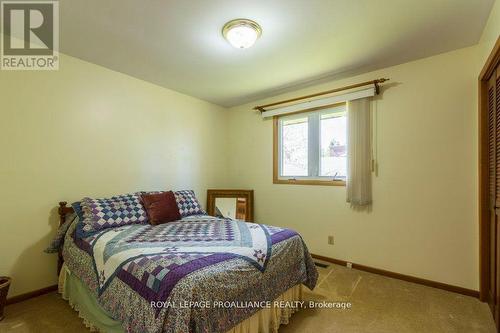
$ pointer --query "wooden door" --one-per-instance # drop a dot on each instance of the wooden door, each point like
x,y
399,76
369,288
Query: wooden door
x,y
495,229
493,122
489,181
491,191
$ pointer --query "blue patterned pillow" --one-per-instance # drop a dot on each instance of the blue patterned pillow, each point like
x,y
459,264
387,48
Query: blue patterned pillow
x,y
111,212
188,204
77,207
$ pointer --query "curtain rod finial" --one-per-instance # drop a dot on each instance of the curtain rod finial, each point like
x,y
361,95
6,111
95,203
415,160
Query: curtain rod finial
x,y
377,82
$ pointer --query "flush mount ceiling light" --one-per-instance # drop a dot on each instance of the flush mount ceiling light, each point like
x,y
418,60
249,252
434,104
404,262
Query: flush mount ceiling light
x,y
241,33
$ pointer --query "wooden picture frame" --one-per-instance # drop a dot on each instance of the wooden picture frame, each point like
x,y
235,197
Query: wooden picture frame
x,y
213,194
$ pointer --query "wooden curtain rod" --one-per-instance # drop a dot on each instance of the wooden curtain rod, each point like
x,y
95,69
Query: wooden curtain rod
x,y
261,108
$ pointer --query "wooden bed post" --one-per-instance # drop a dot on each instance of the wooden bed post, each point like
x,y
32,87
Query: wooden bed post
x,y
63,211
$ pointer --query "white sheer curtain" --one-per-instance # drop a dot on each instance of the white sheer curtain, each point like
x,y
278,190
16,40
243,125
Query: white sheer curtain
x,y
359,191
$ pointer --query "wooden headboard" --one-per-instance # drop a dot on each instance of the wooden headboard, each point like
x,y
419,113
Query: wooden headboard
x,y
63,211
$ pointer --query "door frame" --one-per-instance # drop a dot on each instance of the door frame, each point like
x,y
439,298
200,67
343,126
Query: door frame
x,y
484,228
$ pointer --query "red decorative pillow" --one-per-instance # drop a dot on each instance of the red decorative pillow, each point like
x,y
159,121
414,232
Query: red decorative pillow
x,y
161,207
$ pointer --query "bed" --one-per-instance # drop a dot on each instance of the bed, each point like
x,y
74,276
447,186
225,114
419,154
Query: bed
x,y
197,274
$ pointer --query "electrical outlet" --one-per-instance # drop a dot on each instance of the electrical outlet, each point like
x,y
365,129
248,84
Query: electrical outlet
x,y
330,240
349,265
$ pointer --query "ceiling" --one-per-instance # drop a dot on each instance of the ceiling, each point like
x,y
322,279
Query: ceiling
x,y
178,44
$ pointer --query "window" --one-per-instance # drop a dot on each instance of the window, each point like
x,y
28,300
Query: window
x,y
310,147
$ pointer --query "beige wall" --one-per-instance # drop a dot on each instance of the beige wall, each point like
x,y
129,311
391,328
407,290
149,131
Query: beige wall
x,y
86,130
490,32
423,220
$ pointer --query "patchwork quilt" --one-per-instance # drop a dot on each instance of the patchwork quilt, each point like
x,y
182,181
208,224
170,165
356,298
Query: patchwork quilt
x,y
151,259
168,262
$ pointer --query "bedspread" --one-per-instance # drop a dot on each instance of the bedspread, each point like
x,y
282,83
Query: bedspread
x,y
154,278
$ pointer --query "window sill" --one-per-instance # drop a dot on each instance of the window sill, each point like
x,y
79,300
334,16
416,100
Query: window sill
x,y
310,182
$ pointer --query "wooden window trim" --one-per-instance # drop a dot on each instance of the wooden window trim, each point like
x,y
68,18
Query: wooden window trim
x,y
276,179
484,230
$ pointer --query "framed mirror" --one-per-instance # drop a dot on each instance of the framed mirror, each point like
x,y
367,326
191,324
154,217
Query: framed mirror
x,y
235,204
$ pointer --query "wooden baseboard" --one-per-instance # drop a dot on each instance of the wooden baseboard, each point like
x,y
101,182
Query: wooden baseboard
x,y
31,294
425,282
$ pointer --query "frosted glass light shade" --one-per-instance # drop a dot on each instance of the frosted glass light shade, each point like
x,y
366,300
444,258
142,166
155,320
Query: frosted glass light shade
x,y
241,33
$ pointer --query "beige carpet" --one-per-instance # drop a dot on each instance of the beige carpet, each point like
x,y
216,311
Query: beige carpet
x,y
379,304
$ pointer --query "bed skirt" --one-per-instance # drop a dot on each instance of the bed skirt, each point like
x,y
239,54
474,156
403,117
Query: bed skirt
x,y
97,320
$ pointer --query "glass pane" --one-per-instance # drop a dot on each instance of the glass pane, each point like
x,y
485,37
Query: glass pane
x,y
294,147
333,145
